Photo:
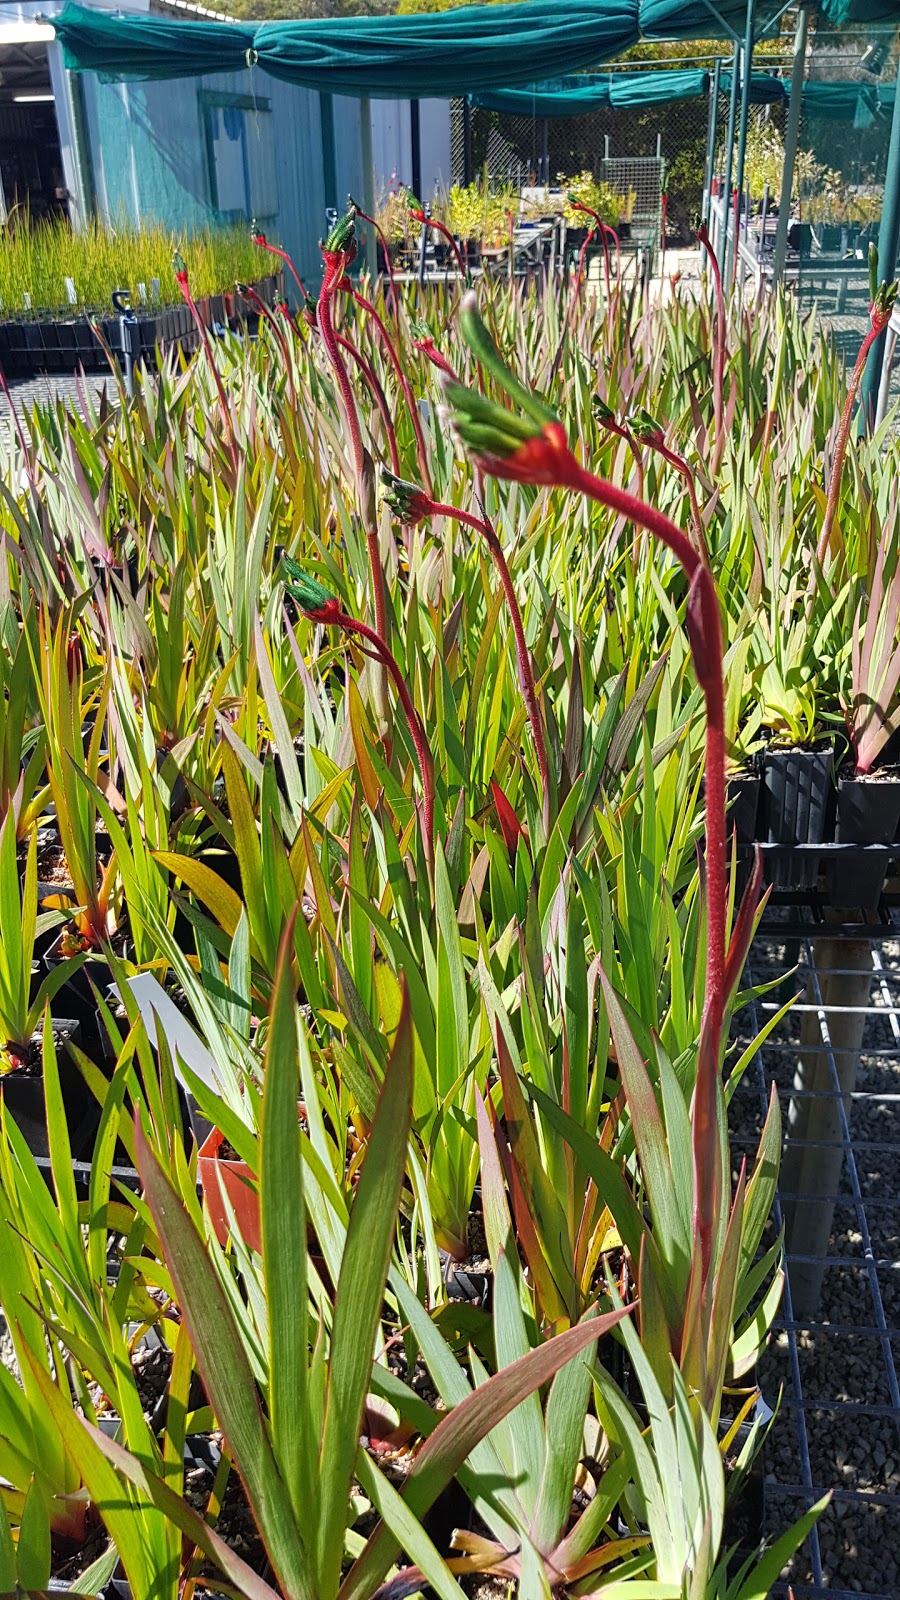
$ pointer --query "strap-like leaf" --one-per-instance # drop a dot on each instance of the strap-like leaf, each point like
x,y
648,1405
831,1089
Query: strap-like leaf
x,y
360,1292
225,1369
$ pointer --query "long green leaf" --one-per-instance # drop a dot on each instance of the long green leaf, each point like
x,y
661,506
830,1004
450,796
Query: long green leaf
x,y
283,1222
360,1294
226,1372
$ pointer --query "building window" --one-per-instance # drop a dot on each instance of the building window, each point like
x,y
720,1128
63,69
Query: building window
x,y
241,154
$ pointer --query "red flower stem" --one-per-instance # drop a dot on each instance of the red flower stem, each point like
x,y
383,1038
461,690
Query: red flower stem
x,y
439,227
719,352
379,397
367,306
325,319
417,731
428,348
579,279
634,447
324,315
250,294
684,471
840,448
217,377
283,256
704,628
606,229
523,654
572,306
390,265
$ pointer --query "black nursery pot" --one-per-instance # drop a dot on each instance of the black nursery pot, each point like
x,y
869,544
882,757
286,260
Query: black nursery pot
x,y
68,346
75,997
797,786
868,813
742,793
23,1096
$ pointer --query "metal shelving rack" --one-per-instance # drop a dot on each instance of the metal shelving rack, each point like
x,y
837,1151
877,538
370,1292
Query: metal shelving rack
x,y
836,1401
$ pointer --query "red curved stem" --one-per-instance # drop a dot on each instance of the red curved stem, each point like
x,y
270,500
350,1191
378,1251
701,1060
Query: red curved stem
x,y
414,721
523,654
395,303
217,376
330,341
282,255
367,306
250,294
719,354
440,227
379,397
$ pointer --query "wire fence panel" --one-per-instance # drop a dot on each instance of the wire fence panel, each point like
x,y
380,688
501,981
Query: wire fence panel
x,y
530,150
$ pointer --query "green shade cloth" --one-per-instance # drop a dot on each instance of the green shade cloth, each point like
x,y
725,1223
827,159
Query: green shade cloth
x,y
693,19
655,88
764,89
574,96
124,45
476,49
442,54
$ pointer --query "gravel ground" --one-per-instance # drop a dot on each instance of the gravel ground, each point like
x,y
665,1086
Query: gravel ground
x,y
848,1417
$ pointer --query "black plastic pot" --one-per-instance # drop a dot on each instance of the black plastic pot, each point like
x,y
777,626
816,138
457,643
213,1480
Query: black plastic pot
x,y
68,346
868,813
23,1096
742,794
75,996
796,792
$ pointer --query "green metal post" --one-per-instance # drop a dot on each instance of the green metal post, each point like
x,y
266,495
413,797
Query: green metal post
x,y
711,136
329,153
729,162
791,140
746,73
368,183
888,241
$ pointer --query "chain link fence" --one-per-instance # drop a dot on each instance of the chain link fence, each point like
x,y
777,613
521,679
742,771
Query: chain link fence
x,y
626,148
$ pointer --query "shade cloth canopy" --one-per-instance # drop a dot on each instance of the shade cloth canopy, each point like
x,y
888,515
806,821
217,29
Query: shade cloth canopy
x,y
474,49
574,96
471,50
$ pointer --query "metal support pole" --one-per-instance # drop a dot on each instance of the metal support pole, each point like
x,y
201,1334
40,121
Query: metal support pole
x,y
814,1158
368,183
415,139
729,162
547,151
329,155
791,140
888,242
467,142
712,131
746,74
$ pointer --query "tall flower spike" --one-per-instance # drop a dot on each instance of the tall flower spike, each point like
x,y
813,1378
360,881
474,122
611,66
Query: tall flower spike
x,y
543,456
341,242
